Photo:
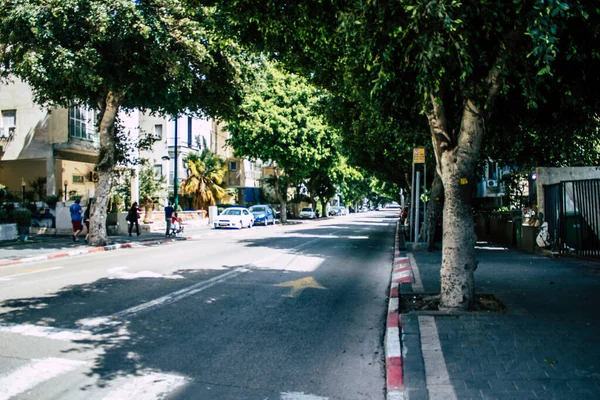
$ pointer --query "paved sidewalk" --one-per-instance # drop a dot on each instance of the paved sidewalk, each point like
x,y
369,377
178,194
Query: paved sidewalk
x,y
547,346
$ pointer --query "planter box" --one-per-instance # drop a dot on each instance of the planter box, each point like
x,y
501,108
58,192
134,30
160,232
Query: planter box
x,y
8,232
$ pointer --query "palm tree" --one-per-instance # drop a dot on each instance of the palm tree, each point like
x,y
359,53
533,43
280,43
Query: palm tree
x,y
205,175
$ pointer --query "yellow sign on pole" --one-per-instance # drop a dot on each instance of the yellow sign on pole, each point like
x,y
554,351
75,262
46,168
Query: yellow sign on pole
x,y
418,155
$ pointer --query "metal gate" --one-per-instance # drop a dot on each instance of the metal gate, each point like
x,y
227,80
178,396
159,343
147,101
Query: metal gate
x,y
573,215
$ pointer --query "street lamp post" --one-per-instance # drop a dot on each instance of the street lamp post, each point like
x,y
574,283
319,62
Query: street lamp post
x,y
23,189
175,171
167,172
66,182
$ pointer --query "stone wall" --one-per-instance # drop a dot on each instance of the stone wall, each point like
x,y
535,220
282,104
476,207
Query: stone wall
x,y
8,231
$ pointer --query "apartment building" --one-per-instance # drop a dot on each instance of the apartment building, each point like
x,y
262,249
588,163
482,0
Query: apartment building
x,y
61,144
242,174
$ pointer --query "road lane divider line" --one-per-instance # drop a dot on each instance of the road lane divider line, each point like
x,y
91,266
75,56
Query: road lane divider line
x,y
37,371
35,271
180,294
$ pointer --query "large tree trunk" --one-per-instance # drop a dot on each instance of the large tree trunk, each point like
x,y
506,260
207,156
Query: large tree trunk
x,y
434,212
456,157
282,197
324,207
456,154
109,108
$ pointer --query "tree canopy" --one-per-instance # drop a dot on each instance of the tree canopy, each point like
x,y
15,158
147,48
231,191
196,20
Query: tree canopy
x,y
471,72
156,56
278,123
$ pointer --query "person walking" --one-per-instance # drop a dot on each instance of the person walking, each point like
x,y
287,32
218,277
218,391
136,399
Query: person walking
x,y
86,219
132,217
76,218
169,210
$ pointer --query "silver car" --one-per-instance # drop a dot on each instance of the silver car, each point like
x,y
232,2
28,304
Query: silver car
x,y
307,212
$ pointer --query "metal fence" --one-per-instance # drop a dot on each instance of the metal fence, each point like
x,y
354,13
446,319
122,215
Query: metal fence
x,y
573,215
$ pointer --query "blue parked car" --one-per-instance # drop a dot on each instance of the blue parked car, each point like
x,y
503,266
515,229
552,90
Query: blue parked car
x,y
263,214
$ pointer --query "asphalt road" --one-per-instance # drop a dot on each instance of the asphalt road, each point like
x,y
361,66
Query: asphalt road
x,y
285,312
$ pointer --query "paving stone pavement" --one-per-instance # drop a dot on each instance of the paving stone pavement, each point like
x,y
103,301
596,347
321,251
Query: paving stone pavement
x,y
546,346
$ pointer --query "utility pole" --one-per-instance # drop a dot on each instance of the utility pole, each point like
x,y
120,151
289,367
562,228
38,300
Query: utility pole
x,y
176,192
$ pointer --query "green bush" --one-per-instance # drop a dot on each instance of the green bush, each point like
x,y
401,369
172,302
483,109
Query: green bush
x,y
22,217
4,218
51,201
31,207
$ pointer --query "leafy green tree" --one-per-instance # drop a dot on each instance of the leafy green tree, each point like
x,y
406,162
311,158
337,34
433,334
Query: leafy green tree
x,y
278,123
470,71
322,187
119,55
205,179
151,185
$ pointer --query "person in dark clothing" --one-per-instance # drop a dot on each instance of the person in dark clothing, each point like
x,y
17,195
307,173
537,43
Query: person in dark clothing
x,y
132,218
169,210
86,219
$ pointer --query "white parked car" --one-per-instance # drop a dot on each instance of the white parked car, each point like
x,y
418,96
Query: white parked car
x,y
234,217
307,212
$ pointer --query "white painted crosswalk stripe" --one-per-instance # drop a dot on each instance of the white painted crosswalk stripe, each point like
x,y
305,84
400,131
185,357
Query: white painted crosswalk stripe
x,y
33,374
300,396
46,332
147,386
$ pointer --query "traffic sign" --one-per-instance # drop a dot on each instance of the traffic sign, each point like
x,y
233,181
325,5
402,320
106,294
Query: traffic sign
x,y
418,155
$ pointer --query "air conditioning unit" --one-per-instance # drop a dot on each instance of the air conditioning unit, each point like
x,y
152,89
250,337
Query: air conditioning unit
x,y
93,177
492,183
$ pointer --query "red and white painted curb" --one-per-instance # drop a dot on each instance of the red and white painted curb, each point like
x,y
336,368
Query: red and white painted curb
x,y
80,252
401,273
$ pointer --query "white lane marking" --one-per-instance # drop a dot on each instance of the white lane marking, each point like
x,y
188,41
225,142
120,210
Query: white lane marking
x,y
417,285
120,273
10,277
46,332
300,396
34,373
189,291
147,386
180,294
436,372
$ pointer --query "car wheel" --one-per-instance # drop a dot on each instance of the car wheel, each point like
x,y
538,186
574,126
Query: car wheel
x,y
241,225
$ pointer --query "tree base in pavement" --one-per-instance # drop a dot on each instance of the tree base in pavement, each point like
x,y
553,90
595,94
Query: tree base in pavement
x,y
431,302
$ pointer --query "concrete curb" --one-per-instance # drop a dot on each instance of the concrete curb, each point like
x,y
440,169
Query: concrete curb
x,y
401,273
81,252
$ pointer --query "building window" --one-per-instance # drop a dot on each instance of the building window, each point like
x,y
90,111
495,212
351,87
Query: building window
x,y
158,131
78,179
232,166
82,123
9,122
158,171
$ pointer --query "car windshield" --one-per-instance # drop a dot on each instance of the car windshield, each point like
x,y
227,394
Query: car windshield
x,y
258,209
307,209
232,212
